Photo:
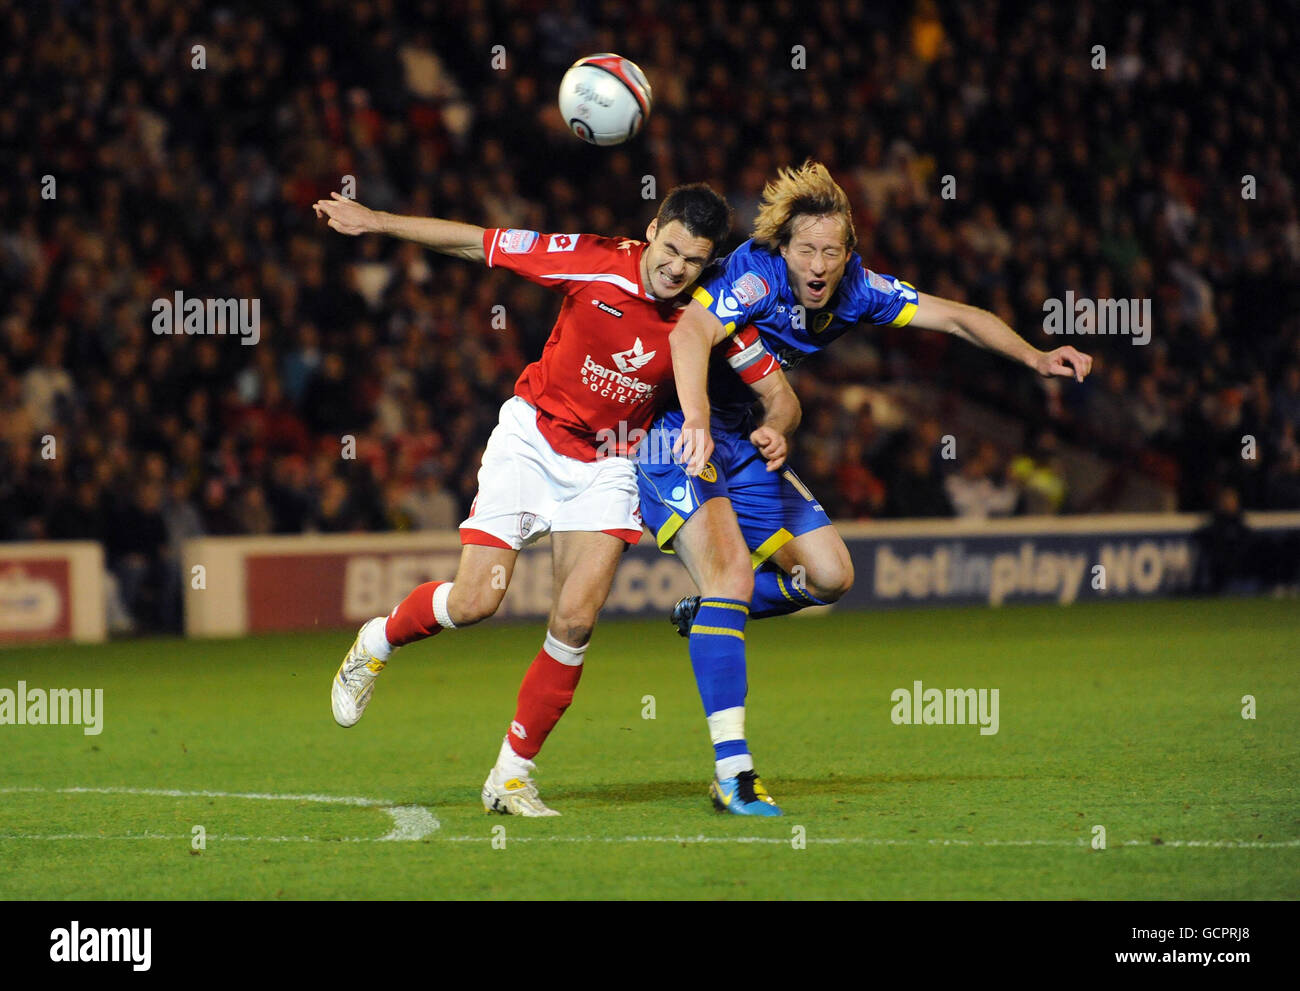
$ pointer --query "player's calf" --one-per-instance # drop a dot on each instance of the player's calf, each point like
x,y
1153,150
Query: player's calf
x,y
471,602
429,609
421,614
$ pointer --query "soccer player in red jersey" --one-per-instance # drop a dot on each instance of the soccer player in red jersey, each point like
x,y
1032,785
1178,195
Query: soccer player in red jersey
x,y
557,462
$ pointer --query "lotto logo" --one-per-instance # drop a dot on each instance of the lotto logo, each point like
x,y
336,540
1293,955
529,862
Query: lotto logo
x,y
517,728
562,242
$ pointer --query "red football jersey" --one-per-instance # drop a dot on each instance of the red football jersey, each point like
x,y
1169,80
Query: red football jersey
x,y
607,357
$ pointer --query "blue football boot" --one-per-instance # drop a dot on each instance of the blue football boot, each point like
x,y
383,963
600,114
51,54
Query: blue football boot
x,y
743,795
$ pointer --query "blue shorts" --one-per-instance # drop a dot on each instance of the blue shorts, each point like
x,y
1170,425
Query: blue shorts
x,y
772,507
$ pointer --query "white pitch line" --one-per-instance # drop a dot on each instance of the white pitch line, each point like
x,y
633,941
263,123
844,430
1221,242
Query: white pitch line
x,y
177,793
864,841
210,838
410,822
415,822
830,840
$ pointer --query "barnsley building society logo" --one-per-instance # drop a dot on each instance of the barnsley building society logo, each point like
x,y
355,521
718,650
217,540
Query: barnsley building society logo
x,y
633,358
616,382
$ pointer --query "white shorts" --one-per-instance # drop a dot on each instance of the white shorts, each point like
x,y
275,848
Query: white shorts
x,y
526,489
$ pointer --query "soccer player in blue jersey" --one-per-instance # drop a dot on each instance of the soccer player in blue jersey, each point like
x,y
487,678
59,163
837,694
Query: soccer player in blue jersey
x,y
792,289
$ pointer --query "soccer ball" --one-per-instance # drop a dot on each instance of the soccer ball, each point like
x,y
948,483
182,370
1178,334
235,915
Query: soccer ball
x,y
605,99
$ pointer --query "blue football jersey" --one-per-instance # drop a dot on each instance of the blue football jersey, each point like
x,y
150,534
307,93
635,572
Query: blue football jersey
x,y
750,287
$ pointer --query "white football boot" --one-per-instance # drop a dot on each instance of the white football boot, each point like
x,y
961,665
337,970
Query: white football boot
x,y
514,795
355,681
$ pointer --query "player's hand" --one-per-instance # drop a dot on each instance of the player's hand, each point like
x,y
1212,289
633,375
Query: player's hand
x,y
772,444
347,216
1064,361
694,447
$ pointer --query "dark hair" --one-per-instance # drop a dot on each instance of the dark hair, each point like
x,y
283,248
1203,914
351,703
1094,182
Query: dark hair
x,y
702,211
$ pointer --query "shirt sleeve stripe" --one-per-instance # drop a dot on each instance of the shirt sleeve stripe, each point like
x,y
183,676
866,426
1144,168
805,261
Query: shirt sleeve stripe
x,y
904,316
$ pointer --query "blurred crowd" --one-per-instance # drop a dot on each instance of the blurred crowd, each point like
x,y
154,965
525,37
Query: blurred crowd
x,y
150,147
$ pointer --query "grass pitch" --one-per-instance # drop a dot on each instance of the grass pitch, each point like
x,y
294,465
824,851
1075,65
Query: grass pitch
x,y
1125,716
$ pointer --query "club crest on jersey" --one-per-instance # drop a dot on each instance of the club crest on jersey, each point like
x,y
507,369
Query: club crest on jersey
x,y
633,358
526,523
750,288
606,308
562,242
709,473
515,242
823,321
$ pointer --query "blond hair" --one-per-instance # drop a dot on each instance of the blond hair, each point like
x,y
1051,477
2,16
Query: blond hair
x,y
806,191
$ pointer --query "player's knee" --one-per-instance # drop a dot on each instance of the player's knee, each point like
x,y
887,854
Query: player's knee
x,y
830,584
573,628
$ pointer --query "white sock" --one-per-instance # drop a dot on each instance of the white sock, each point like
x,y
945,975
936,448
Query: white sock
x,y
373,639
562,652
726,725
729,767
510,765
440,606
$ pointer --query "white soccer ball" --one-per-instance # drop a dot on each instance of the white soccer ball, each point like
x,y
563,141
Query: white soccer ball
x,y
605,99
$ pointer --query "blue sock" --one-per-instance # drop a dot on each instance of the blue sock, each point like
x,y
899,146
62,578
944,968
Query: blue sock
x,y
717,647
775,594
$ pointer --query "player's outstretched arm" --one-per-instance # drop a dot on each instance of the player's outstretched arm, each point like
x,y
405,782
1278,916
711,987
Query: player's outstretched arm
x,y
781,416
691,340
982,328
448,237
